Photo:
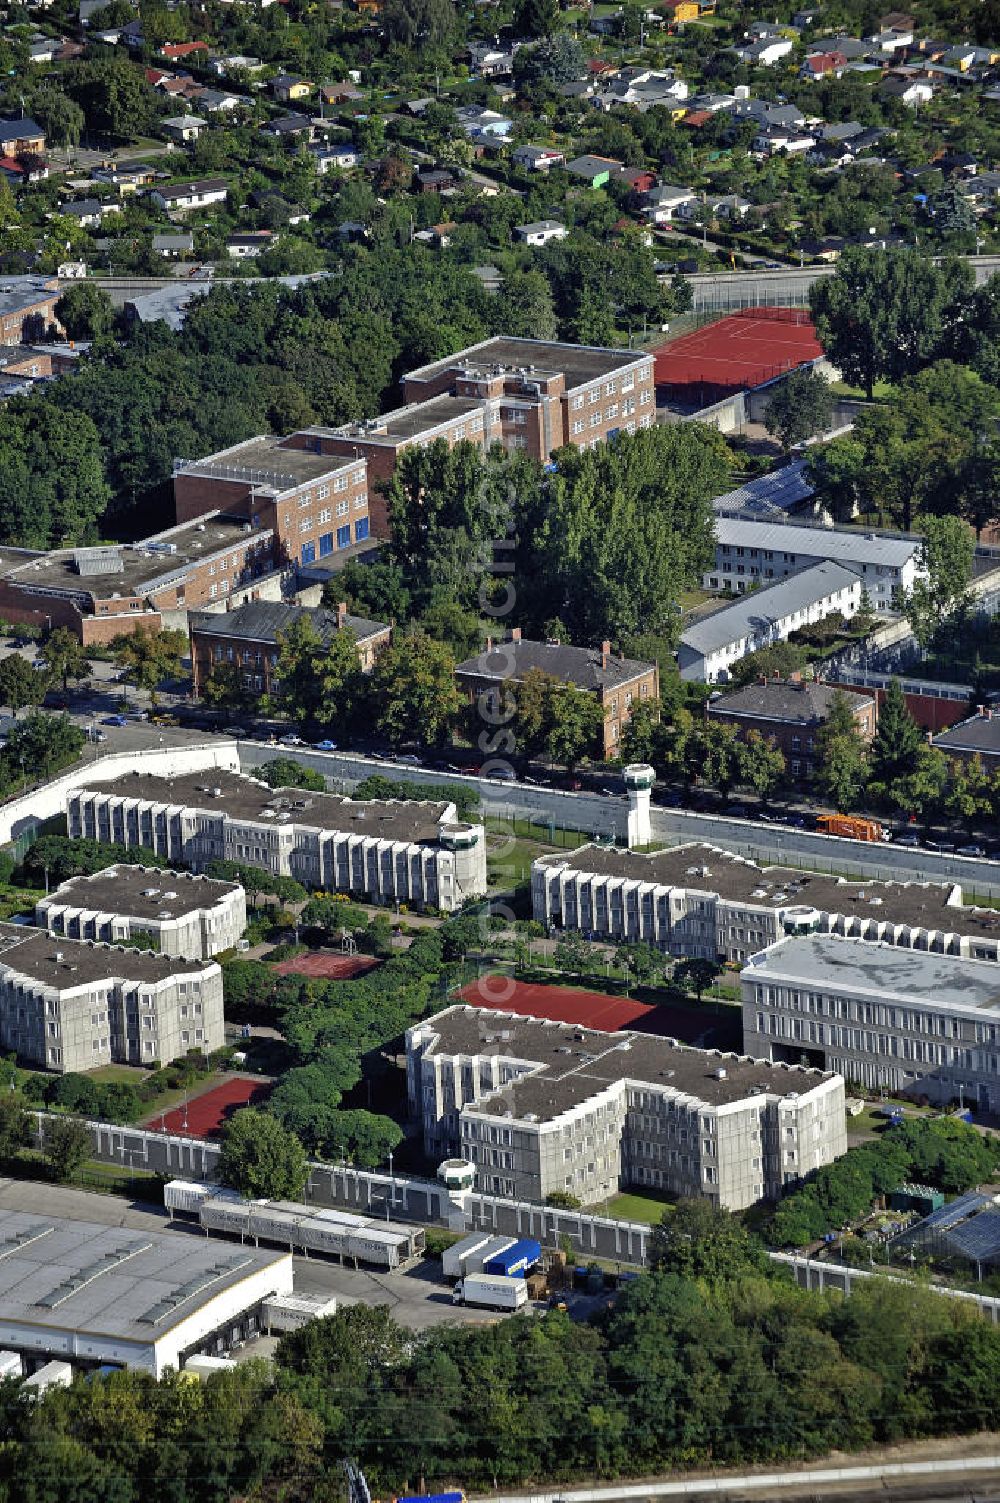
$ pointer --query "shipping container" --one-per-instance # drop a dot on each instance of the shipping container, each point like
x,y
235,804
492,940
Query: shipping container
x,y
10,1365
454,1260
52,1375
514,1261
476,1262
290,1312
493,1292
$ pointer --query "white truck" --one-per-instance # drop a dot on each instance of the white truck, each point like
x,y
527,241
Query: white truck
x,y
490,1292
202,1366
52,1375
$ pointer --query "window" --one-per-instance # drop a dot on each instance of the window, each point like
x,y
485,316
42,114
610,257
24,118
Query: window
x,y
340,484
306,524
304,500
308,553
361,503
578,426
361,529
325,515
343,537
322,492
343,507
326,544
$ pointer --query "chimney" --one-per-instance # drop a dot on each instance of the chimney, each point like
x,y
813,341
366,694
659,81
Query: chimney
x,y
341,612
489,644
605,654
981,710
515,634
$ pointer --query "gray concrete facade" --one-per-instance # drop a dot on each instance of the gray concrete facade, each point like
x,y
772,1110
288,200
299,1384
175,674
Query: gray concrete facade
x,y
187,916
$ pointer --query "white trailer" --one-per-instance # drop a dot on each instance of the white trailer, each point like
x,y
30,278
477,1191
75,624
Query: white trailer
x,y
52,1375
290,1312
455,1260
10,1365
491,1292
492,1248
202,1366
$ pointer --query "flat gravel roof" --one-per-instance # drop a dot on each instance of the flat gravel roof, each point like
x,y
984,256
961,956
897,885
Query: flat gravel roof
x,y
946,982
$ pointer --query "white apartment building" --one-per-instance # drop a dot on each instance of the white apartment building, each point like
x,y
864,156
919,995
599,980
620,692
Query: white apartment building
x,y
542,1107
68,1005
382,850
194,917
702,901
922,1024
709,648
750,552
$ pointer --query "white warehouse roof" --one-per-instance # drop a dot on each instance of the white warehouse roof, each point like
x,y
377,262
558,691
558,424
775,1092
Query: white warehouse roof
x,y
106,1294
747,614
841,544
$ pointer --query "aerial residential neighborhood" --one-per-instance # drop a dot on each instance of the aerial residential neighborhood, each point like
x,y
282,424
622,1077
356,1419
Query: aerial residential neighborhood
x,y
499,751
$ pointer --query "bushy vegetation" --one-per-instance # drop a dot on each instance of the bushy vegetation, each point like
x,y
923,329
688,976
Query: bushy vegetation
x,y
60,857
941,1151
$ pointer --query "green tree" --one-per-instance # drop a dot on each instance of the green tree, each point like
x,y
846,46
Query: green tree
x,y
65,656
414,691
67,1146
761,764
260,1158
559,59
40,745
839,757
946,556
801,407
719,755
536,18
952,212
884,313
85,311
146,656
696,974
285,772
700,1241
15,1125
114,97
921,791
20,683
52,480
895,750
223,687
969,796
421,24
575,725
837,471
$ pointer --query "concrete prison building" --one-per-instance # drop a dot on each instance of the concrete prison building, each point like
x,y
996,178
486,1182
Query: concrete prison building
x,y
382,850
709,648
67,1005
542,1107
97,1295
922,1024
700,900
194,917
749,552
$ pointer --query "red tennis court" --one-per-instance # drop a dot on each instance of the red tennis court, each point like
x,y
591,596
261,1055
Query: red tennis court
x,y
204,1116
562,1004
326,964
742,350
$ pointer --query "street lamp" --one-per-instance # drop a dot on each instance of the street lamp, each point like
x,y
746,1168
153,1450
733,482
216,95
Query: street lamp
x,y
391,1197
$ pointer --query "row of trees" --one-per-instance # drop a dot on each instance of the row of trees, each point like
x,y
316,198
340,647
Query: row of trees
x,y
713,1358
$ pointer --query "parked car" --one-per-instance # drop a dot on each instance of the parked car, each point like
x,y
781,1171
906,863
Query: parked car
x,y
325,746
292,740
115,720
238,732
971,850
409,760
910,838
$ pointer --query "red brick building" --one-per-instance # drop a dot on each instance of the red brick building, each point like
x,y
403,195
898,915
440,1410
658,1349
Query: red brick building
x,y
520,393
28,310
791,713
249,636
618,683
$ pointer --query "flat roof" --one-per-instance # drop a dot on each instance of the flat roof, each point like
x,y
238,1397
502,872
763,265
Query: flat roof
x,y
63,964
134,567
240,797
579,363
265,460
834,543
745,616
64,1275
880,970
711,869
412,420
142,892
569,1064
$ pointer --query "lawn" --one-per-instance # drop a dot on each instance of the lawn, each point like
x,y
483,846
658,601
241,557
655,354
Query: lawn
x,y
127,1074
649,1209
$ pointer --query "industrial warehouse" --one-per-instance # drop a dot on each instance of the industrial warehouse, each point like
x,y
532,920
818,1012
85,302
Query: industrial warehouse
x,y
386,850
701,900
543,1108
94,1296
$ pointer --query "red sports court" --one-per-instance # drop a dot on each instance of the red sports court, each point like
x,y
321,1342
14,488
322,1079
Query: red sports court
x,y
733,354
327,965
205,1116
606,1014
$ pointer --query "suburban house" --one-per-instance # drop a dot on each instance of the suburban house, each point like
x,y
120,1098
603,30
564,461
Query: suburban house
x,y
540,232
183,128
791,712
486,61
248,244
618,683
909,91
183,198
660,204
765,52
537,158
286,89
710,647
976,739
21,137
593,170
180,243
